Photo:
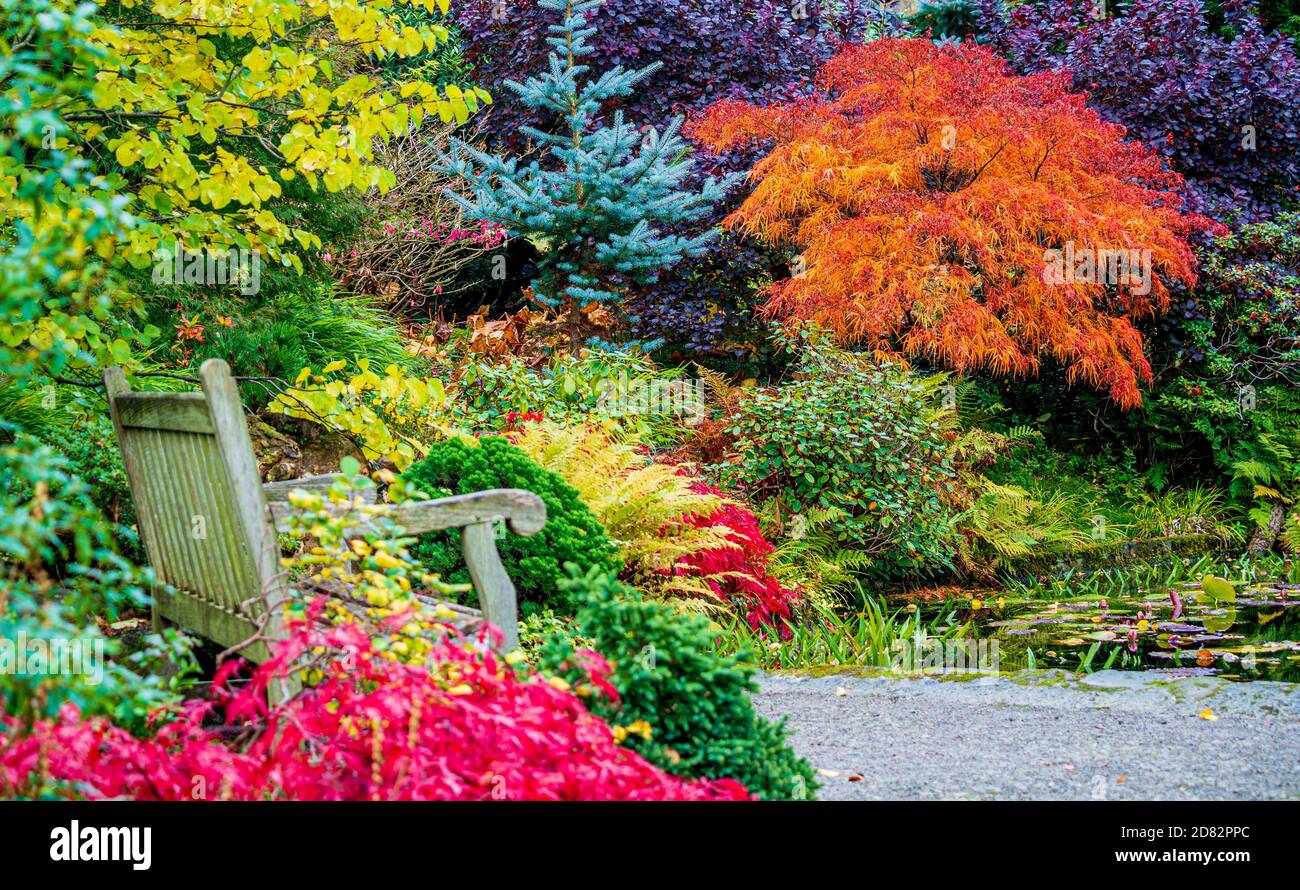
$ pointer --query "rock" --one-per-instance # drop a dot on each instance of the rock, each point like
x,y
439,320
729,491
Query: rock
x,y
277,455
295,448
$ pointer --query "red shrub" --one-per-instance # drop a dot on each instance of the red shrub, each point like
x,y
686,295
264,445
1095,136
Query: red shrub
x,y
466,728
746,584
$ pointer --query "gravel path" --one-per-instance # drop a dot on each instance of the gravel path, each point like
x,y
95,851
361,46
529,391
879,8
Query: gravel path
x,y
1044,735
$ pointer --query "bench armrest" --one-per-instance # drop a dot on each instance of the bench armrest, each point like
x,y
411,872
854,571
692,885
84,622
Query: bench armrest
x,y
523,511
474,514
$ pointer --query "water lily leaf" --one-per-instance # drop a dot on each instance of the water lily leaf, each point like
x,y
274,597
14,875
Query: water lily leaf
x,y
1219,589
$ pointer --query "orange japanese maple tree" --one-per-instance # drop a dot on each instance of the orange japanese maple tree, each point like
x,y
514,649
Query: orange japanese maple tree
x,y
951,209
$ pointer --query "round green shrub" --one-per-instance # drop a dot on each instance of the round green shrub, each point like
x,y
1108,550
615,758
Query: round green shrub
x,y
858,437
695,701
572,533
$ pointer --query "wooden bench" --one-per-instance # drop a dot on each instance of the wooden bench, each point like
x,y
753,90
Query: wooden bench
x,y
209,525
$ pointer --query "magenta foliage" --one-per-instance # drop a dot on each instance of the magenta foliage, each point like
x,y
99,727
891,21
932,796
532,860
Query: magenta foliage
x,y
468,727
745,582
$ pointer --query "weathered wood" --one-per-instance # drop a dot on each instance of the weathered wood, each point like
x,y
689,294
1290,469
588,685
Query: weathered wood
x,y
211,623
116,387
185,412
524,511
209,524
236,450
496,593
186,512
278,492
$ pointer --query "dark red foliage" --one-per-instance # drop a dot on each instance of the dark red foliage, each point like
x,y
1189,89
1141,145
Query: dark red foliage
x,y
516,419
747,585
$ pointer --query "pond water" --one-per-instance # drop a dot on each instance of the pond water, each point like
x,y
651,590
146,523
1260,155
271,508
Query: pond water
x,y
1238,631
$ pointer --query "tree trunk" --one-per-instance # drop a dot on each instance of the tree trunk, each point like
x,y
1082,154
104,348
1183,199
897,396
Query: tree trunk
x,y
1265,536
574,324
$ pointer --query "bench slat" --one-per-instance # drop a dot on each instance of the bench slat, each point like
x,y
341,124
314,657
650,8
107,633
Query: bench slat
x,y
278,492
179,412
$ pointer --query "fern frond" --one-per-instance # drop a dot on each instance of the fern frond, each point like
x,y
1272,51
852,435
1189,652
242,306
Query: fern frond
x,y
1291,532
1254,471
717,383
1021,434
643,506
808,555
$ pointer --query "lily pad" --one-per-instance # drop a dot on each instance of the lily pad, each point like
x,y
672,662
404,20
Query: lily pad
x,y
1219,589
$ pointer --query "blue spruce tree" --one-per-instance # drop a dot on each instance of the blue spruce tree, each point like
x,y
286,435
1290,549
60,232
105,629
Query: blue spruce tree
x,y
604,203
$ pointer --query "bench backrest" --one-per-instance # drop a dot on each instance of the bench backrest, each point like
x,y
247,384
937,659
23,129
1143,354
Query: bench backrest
x,y
202,512
211,538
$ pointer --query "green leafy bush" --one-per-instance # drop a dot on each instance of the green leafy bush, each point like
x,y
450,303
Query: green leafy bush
x,y
90,445
309,327
63,573
681,705
1232,350
626,386
855,436
572,533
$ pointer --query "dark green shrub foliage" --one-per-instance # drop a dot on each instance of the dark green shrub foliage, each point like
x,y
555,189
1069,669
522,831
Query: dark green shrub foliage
x,y
572,533
90,447
1232,348
946,19
668,675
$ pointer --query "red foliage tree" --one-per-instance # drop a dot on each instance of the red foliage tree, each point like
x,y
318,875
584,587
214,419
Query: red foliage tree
x,y
928,187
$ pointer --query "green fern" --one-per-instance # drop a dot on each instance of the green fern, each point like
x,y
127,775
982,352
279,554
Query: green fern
x,y
808,554
1271,479
1291,532
1254,471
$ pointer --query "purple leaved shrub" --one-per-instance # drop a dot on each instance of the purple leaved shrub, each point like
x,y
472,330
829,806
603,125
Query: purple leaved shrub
x,y
1225,110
